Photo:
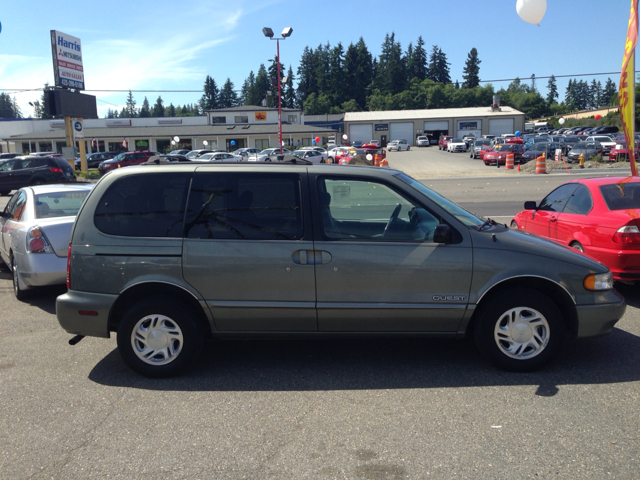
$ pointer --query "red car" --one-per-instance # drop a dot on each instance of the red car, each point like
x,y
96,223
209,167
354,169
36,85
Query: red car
x,y
621,151
498,154
125,159
444,141
597,216
344,160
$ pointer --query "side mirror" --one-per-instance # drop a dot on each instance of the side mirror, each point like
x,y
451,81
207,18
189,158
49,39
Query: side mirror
x,y
530,205
442,234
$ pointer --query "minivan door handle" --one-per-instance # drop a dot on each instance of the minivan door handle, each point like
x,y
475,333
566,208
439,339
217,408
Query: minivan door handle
x,y
301,257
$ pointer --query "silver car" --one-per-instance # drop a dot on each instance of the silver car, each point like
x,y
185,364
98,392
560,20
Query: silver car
x,y
168,255
36,228
268,155
220,157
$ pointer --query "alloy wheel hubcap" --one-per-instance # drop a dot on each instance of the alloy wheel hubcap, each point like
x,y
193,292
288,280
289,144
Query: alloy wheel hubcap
x,y
522,333
157,340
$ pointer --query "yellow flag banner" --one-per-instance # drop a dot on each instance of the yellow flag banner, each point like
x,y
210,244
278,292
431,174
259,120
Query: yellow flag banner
x,y
626,97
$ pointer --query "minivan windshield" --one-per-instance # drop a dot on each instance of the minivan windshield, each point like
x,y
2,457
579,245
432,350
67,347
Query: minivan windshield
x,y
457,211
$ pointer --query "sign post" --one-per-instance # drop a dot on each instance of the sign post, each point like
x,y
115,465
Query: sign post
x,y
78,133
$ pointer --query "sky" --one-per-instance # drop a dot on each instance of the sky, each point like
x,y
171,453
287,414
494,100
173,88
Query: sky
x,y
166,45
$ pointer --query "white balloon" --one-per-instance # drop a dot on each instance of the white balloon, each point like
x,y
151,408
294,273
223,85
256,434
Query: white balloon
x,y
531,11
344,137
173,142
176,138
561,121
205,143
369,157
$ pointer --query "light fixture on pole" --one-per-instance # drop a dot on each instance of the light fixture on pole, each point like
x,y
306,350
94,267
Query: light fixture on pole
x,y
269,34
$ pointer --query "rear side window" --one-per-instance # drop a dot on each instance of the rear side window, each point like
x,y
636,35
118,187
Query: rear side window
x,y
147,205
621,196
245,206
63,164
556,200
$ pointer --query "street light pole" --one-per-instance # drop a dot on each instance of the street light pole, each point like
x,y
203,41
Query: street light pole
x,y
285,33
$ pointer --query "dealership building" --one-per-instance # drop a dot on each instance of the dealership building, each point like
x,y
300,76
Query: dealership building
x,y
385,126
226,129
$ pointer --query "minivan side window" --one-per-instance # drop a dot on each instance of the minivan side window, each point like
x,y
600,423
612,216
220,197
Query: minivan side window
x,y
245,206
150,205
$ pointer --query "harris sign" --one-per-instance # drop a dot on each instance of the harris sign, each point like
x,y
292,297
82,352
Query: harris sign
x,y
67,60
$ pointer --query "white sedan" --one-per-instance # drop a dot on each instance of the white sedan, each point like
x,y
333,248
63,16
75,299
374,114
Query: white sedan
x,y
220,157
36,227
456,145
268,155
398,145
313,156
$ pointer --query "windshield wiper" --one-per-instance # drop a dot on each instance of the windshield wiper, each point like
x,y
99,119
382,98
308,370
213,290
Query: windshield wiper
x,y
488,222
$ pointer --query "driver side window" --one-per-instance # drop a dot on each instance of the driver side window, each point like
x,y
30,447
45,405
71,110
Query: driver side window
x,y
358,209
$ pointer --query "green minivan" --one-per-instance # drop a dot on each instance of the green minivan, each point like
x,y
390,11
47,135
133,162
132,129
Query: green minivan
x,y
168,255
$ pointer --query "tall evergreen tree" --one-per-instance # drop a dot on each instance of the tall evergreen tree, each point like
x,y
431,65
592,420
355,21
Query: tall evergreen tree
x,y
533,83
158,108
44,101
609,92
130,108
228,97
569,95
211,98
419,61
307,83
438,66
273,78
145,110
471,71
336,75
290,91
170,111
263,85
358,72
552,90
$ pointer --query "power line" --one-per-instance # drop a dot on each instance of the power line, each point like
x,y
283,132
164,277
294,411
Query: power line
x,y
20,90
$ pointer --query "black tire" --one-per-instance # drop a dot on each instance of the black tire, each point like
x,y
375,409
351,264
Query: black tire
x,y
162,315
578,246
514,225
19,293
527,306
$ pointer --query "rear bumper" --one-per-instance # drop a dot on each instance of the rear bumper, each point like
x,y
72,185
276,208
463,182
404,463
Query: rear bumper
x,y
41,269
624,264
71,303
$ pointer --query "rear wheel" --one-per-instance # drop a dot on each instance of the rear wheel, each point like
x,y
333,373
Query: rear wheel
x,y
520,329
159,337
19,293
578,246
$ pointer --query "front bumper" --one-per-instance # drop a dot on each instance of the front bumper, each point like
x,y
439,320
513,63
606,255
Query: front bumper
x,y
596,320
71,303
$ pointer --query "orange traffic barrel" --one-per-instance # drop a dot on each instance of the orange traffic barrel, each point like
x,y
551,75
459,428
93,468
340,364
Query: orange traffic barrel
x,y
377,159
541,164
509,162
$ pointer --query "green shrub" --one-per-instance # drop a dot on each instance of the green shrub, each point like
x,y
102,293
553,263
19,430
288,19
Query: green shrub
x,y
90,175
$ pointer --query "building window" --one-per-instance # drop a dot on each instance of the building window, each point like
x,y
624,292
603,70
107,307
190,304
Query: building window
x,y
26,147
218,119
241,119
292,118
262,143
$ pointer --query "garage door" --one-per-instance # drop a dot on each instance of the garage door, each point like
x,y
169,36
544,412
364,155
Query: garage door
x,y
500,126
399,131
361,132
441,125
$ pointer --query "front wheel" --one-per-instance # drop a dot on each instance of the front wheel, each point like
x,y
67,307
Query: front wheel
x,y
520,329
514,225
159,337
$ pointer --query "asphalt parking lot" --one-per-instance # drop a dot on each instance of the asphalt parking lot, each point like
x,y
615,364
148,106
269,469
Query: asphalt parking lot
x,y
429,162
309,408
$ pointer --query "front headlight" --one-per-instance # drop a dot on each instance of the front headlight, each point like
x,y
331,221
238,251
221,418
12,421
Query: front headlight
x,y
598,281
